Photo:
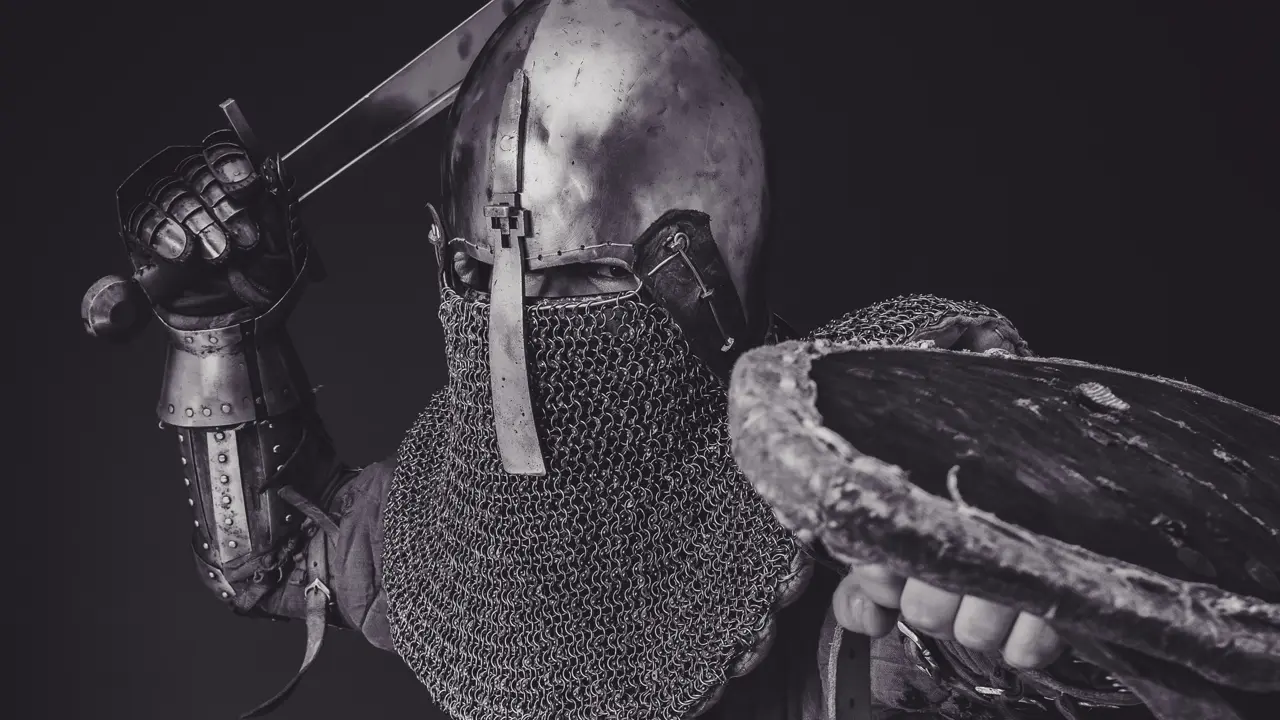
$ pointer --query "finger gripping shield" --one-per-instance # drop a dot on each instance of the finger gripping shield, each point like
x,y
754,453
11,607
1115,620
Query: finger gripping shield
x,y
1138,514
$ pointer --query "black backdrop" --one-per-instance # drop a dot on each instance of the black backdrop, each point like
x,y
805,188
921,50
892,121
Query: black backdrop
x,y
1103,173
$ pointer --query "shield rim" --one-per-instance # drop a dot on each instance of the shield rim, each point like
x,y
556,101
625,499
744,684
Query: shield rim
x,y
825,490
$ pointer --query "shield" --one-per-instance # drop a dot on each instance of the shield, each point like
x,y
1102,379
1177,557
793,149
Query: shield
x,y
1139,515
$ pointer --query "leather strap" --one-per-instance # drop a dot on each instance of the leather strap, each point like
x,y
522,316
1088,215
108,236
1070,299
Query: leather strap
x,y
310,509
849,667
318,598
513,417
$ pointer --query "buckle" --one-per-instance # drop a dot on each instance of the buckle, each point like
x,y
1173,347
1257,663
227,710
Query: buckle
x,y
317,586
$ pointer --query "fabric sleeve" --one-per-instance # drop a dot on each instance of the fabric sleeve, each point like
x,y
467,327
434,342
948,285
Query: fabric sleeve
x,y
355,556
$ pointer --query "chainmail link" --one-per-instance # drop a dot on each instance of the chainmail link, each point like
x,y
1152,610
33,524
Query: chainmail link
x,y
627,581
901,319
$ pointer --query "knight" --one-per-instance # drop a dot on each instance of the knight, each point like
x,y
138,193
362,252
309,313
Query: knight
x,y
563,532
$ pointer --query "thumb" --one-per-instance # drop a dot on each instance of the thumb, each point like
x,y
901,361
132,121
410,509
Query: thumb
x,y
855,612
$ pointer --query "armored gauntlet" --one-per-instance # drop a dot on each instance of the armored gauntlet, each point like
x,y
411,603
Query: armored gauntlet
x,y
219,258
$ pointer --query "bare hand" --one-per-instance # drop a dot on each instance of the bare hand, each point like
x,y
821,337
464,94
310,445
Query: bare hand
x,y
870,598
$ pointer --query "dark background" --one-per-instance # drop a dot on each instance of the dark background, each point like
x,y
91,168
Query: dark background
x,y
1103,173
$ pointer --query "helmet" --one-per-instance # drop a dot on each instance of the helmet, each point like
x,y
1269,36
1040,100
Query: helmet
x,y
587,131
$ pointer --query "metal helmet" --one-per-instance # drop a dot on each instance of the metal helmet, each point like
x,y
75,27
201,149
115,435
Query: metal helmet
x,y
607,131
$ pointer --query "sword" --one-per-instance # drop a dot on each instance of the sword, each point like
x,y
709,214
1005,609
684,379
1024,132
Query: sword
x,y
402,103
114,307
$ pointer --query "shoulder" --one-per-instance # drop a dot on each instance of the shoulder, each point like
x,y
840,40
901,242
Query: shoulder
x,y
941,322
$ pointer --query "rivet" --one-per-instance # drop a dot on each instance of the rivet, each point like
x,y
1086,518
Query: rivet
x,y
219,436
258,400
211,575
204,545
279,468
160,425
275,449
222,457
187,480
224,479
188,339
228,521
225,595
206,411
191,502
213,339
287,518
226,407
190,412
226,499
170,407
231,543
197,523
271,426
180,437
184,460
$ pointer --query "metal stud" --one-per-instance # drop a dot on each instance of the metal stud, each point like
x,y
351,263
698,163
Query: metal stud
x,y
170,407
222,457
226,407
224,479
275,449
180,436
228,521
206,411
231,543
204,545
188,339
212,576
184,461
197,523
187,481
226,499
219,436
191,502
213,339
190,412
279,468
287,518
225,595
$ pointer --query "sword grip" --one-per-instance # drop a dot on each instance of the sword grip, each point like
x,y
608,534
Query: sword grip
x,y
259,155
248,138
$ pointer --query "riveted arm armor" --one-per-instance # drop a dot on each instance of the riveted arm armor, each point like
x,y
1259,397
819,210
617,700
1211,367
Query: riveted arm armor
x,y
255,456
219,257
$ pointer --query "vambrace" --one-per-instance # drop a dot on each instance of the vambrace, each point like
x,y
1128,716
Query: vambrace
x,y
258,463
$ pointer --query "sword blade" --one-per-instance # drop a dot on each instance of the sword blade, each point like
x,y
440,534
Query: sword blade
x,y
412,95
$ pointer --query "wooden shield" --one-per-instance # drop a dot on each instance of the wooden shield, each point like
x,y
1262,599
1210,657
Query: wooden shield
x,y
1140,515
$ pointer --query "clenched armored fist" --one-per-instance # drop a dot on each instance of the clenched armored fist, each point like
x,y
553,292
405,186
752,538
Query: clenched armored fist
x,y
212,237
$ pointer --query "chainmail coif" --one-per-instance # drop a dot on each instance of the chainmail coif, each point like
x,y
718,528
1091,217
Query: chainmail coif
x,y
627,581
